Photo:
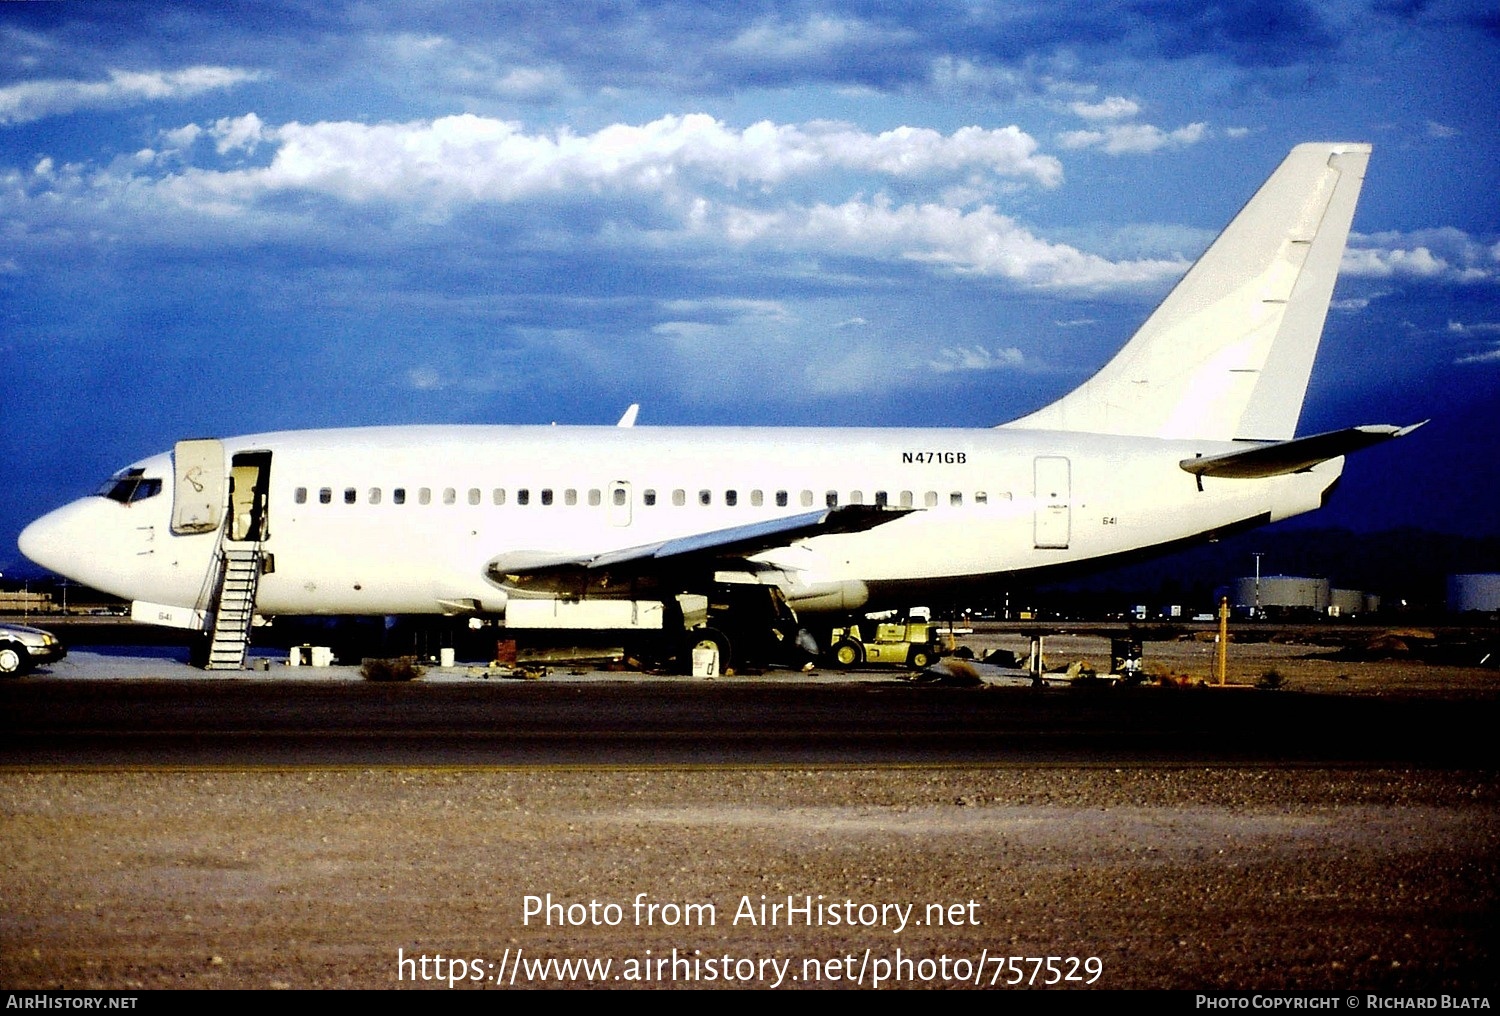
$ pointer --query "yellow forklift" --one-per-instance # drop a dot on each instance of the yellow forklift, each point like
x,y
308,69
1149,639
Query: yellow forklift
x,y
909,643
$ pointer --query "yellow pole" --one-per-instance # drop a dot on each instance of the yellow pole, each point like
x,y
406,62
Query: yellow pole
x,y
1223,639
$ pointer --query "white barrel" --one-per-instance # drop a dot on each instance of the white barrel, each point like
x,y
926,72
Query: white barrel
x,y
706,662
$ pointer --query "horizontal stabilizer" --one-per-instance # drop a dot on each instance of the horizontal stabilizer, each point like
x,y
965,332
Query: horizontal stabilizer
x,y
1293,456
740,541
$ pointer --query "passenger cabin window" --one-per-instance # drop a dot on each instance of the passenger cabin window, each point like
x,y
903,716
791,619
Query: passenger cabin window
x,y
956,499
474,495
648,497
424,495
594,497
351,496
705,497
374,495
731,497
781,499
980,497
930,499
523,496
679,497
619,496
570,497
300,495
325,495
546,495
398,496
881,498
498,495
856,497
906,501
831,499
129,487
450,496
757,499
807,498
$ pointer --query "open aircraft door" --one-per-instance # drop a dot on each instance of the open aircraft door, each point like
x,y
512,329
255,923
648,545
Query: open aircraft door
x,y
197,486
249,495
1054,502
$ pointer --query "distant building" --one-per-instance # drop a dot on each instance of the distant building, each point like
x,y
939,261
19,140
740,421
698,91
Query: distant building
x,y
18,602
1479,592
1284,593
1351,602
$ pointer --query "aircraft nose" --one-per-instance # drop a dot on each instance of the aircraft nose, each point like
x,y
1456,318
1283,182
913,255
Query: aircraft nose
x,y
54,541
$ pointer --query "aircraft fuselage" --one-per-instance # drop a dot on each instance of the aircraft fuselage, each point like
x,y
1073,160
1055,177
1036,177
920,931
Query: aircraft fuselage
x,y
404,520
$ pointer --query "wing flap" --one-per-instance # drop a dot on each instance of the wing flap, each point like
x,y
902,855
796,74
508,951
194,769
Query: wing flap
x,y
1293,456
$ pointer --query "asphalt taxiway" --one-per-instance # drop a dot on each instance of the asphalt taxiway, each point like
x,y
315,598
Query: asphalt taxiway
x,y
467,716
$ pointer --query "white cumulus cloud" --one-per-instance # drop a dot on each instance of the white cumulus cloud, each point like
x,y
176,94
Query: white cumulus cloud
x,y
238,132
1440,255
1133,138
972,358
982,242
815,38
1114,107
1482,330
34,100
686,182
470,158
1382,264
1478,328
1487,356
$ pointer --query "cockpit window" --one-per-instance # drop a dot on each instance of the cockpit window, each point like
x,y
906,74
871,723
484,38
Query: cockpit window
x,y
130,486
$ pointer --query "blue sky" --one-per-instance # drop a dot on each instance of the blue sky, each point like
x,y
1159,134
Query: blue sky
x,y
225,218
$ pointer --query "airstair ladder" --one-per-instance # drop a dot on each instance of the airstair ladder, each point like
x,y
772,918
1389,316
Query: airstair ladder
x,y
231,635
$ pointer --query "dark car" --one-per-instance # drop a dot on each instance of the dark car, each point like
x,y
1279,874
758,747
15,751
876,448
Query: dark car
x,y
22,648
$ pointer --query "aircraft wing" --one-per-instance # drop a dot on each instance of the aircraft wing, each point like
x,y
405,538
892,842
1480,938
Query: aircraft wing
x,y
1295,455
736,541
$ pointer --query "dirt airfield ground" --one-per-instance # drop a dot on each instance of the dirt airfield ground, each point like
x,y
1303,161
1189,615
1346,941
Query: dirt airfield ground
x,y
1260,877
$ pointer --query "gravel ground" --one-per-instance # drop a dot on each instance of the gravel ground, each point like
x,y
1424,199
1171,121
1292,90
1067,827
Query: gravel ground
x,y
1174,878
1302,667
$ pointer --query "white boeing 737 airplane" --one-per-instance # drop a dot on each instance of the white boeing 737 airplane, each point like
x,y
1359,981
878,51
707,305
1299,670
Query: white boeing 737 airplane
x,y
694,532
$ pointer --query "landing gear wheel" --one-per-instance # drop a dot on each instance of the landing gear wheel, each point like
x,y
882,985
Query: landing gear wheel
x,y
920,658
14,660
705,638
847,653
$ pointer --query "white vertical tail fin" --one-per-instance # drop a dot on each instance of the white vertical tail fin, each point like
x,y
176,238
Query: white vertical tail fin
x,y
1228,353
